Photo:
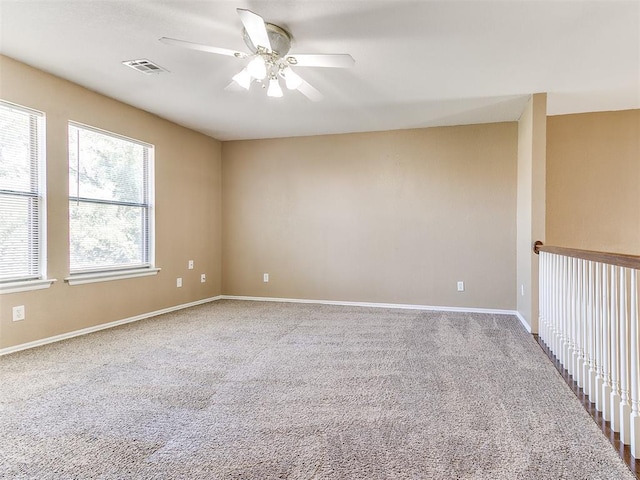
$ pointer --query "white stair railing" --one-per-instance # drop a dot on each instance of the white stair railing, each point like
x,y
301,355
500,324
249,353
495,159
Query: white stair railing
x,y
589,320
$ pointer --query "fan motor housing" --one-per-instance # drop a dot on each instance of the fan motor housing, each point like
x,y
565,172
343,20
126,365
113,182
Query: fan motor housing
x,y
279,38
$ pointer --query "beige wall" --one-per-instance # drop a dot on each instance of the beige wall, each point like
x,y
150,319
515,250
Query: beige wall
x,y
593,181
188,212
532,131
393,217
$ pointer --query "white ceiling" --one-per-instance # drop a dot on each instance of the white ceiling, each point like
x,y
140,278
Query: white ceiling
x,y
418,63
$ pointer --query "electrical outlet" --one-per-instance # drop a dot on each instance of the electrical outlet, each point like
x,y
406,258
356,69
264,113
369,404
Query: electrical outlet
x,y
18,313
179,282
190,265
461,286
203,278
265,278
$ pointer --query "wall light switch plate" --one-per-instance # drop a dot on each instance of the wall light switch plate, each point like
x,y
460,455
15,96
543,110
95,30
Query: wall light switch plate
x,y
203,278
190,266
18,313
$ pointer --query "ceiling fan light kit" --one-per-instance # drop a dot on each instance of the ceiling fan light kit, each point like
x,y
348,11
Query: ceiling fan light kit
x,y
269,45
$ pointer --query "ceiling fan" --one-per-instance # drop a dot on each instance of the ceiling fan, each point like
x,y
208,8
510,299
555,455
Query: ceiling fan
x,y
269,45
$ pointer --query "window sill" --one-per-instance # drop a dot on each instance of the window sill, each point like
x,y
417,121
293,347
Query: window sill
x,y
94,277
25,286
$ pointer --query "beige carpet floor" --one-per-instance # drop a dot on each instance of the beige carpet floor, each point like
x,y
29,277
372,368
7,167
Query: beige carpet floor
x,y
252,390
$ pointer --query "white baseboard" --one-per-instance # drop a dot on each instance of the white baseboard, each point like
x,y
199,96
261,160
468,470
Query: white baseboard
x,y
524,322
379,305
96,328
103,326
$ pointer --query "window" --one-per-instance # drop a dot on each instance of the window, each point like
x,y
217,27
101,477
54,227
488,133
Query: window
x,y
110,205
22,199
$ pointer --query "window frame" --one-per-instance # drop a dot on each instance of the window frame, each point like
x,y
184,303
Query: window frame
x,y
81,276
38,257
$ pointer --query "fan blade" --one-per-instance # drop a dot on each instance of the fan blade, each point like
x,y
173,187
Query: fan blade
x,y
255,27
332,60
310,92
202,48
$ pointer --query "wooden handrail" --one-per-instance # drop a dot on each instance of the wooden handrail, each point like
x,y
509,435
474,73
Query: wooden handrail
x,y
619,259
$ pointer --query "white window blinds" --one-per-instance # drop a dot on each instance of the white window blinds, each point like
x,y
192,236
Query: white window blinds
x,y
22,203
110,218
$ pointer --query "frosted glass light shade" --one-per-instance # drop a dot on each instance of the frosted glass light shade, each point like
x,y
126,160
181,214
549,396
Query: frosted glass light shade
x,y
274,89
257,68
243,79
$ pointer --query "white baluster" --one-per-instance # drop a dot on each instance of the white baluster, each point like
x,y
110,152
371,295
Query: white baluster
x,y
541,292
555,343
566,312
561,304
544,289
552,308
549,291
561,316
634,431
591,341
586,331
614,309
575,320
625,407
606,346
597,322
571,312
583,365
579,378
